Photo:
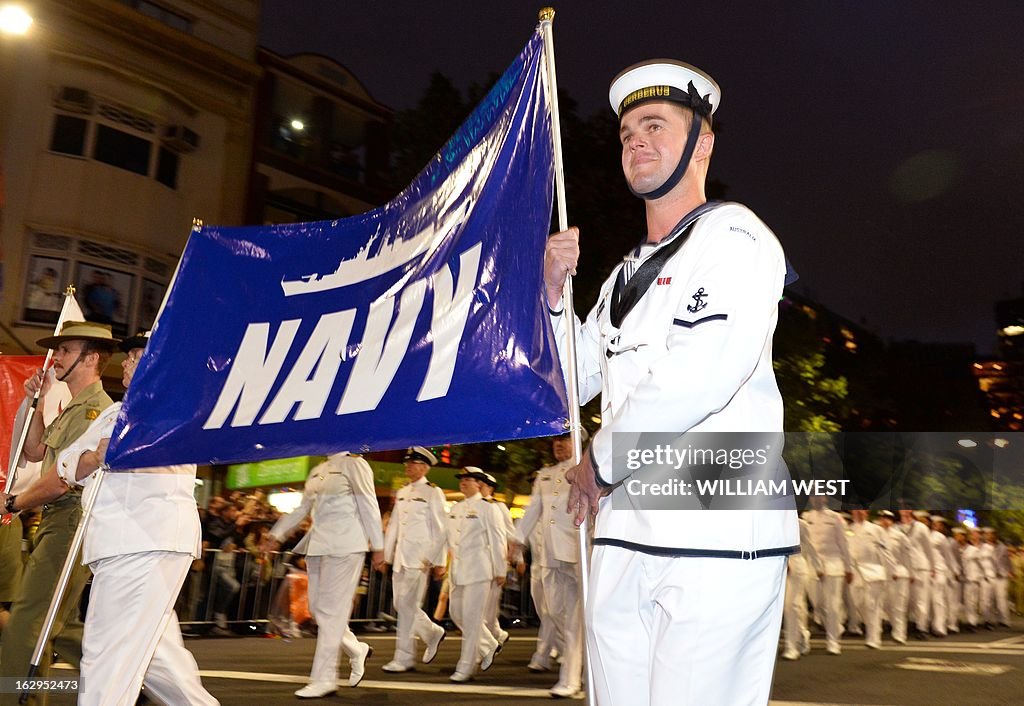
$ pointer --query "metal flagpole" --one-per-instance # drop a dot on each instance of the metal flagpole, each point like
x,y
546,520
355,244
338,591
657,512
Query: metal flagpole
x,y
547,16
76,541
12,470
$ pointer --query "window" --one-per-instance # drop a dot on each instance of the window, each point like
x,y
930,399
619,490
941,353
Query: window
x,y
161,14
120,149
115,285
119,136
69,135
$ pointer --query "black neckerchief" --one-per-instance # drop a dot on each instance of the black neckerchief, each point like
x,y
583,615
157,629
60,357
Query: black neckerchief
x,y
626,295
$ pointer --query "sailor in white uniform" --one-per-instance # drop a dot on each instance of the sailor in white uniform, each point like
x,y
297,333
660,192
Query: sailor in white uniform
x,y
477,547
558,564
414,545
680,610
487,488
828,535
340,497
898,585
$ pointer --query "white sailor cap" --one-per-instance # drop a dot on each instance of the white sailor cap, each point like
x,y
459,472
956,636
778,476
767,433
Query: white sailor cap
x,y
418,453
958,530
988,529
938,518
922,514
489,479
665,80
887,513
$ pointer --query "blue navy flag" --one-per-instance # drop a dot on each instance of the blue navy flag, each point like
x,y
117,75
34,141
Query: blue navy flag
x,y
420,322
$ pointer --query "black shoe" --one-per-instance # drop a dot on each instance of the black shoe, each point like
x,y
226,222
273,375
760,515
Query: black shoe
x,y
969,628
920,635
990,626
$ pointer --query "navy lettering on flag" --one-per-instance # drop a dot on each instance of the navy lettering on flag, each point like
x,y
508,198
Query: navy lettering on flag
x,y
419,322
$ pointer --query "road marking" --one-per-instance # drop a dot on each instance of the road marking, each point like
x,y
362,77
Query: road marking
x,y
478,689
923,664
1018,640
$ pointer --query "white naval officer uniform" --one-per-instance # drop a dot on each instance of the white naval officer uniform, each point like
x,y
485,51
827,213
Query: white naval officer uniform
x,y
340,497
1001,584
873,563
492,623
987,603
414,543
974,579
558,566
670,607
142,538
828,535
954,589
477,547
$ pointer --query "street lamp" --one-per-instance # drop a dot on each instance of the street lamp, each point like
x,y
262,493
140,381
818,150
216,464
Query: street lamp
x,y
14,19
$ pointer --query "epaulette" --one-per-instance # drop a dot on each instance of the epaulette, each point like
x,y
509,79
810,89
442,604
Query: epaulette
x,y
433,485
490,500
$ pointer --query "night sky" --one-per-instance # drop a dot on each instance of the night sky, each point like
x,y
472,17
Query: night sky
x,y
882,142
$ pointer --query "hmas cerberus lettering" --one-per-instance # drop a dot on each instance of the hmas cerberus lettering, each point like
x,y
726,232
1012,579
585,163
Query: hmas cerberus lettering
x,y
259,362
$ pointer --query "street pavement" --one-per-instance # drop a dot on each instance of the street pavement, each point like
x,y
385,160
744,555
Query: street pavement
x,y
983,669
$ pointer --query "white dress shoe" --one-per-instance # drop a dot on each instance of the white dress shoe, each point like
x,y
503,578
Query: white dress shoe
x,y
561,691
460,677
431,651
396,667
317,690
358,664
488,659
791,655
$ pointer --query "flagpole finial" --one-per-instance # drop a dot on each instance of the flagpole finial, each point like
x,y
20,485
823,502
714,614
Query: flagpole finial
x,y
69,291
547,14
197,223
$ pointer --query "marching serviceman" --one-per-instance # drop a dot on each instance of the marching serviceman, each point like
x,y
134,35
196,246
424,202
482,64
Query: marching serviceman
x,y
487,488
477,547
558,564
828,535
970,559
1001,583
802,569
940,575
872,564
340,498
141,540
679,341
954,589
80,353
912,523
414,545
897,591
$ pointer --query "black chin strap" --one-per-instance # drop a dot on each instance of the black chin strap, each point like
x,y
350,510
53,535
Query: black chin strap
x,y
684,161
73,366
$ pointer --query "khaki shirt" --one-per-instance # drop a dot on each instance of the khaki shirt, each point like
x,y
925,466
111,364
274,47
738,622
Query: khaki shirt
x,y
70,424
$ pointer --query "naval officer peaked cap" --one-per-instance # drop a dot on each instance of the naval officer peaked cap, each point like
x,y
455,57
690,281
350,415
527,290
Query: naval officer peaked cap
x,y
664,80
418,453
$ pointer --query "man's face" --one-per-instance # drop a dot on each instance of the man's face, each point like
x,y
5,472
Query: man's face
x,y
414,470
65,355
562,449
129,364
886,522
469,486
653,136
859,515
961,539
906,516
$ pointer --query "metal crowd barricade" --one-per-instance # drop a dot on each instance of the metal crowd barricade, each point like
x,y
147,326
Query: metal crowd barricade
x,y
238,591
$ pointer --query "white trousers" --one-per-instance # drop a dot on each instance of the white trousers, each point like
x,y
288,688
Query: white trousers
x,y
547,636
680,631
986,612
897,593
132,635
867,601
831,592
466,604
332,584
938,593
972,601
1001,599
920,598
953,601
794,615
409,587
565,605
491,610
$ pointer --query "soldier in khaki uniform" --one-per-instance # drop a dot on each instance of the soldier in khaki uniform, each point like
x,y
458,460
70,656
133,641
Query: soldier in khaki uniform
x,y
81,352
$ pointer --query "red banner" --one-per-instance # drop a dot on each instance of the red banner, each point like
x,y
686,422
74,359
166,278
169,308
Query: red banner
x,y
14,371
